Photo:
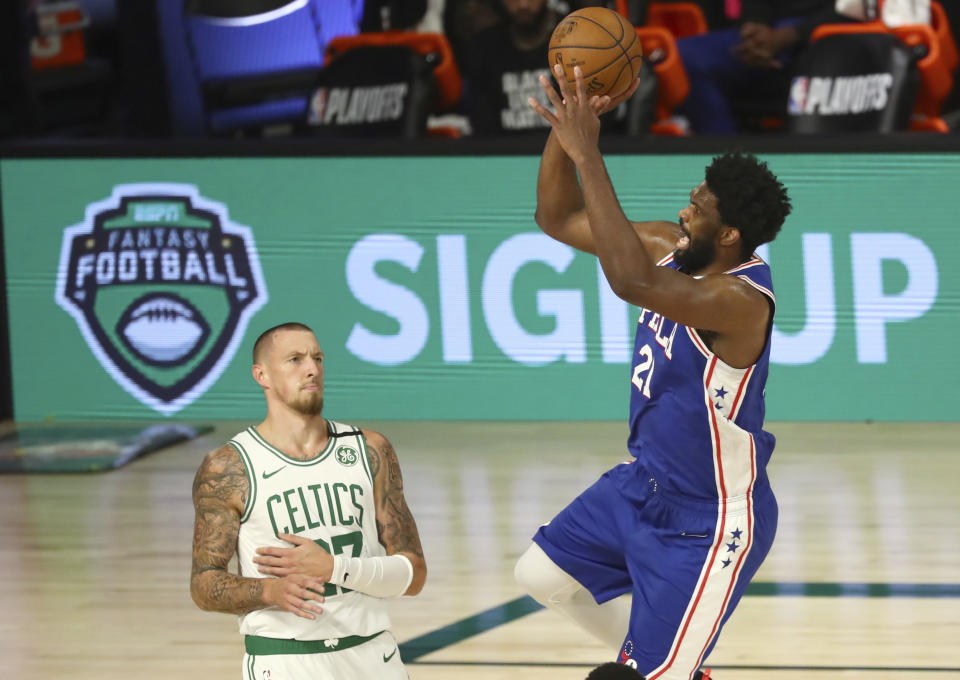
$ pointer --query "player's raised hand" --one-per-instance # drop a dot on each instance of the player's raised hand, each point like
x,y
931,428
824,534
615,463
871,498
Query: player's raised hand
x,y
297,594
574,119
305,558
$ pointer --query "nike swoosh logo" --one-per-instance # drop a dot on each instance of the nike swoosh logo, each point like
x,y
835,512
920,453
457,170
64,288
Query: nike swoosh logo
x,y
268,475
387,657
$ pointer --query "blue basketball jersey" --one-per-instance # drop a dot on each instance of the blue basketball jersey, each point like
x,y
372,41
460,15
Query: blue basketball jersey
x,y
696,424
687,524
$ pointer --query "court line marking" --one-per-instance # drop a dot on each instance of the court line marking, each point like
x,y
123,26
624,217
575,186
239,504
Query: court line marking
x,y
460,630
499,615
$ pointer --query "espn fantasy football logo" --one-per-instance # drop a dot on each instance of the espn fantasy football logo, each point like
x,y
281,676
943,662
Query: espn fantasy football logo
x,y
162,285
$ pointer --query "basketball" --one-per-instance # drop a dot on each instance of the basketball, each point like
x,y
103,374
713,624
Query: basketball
x,y
603,44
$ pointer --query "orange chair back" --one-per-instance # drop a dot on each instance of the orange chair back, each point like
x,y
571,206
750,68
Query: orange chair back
x,y
449,83
941,27
682,19
672,82
936,78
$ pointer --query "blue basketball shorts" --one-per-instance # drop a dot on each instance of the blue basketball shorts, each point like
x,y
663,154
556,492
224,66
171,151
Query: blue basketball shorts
x,y
687,562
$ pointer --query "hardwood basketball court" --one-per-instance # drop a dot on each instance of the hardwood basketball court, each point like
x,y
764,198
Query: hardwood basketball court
x,y
863,580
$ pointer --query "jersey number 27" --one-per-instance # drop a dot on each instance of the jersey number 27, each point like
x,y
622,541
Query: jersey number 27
x,y
355,541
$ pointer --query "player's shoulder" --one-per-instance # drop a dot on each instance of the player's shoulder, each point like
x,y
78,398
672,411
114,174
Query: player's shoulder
x,y
376,439
753,266
380,453
222,460
339,429
731,286
754,276
221,468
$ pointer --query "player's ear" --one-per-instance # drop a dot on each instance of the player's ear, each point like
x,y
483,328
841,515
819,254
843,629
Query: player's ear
x,y
729,236
260,375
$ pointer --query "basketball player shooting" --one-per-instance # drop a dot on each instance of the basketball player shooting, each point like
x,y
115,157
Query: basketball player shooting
x,y
314,510
686,523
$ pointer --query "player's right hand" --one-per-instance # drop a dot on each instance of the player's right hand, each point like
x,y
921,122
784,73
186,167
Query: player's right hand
x,y
297,594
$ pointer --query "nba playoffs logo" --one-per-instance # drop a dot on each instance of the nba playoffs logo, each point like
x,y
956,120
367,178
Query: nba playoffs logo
x,y
162,285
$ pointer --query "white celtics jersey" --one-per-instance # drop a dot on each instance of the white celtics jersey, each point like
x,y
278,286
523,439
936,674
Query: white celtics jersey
x,y
328,499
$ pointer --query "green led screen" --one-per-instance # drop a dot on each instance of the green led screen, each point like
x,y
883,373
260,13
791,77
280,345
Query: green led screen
x,y
137,286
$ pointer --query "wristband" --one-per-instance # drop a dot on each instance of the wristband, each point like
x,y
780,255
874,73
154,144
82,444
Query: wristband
x,y
388,576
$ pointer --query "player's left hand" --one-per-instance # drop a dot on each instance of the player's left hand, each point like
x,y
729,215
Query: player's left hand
x,y
575,118
760,44
306,557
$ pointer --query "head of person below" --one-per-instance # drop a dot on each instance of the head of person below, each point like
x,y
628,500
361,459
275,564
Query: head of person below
x,y
315,513
739,205
611,670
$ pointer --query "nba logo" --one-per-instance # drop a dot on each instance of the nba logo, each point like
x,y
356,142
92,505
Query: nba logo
x,y
318,105
798,96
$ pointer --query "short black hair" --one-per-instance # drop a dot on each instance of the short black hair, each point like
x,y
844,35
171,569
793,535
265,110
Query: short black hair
x,y
260,345
614,671
749,197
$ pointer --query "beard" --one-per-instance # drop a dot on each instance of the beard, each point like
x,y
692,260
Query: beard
x,y
308,404
697,256
528,24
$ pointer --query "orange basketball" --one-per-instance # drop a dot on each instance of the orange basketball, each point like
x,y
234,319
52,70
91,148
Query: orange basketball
x,y
603,44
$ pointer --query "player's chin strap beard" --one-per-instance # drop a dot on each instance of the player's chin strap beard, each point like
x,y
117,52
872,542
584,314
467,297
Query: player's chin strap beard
x,y
695,257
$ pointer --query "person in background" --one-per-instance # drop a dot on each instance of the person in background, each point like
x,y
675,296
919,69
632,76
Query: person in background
x,y
750,61
501,66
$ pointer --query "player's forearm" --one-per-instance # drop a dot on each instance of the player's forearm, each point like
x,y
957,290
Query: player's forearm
x,y
626,262
558,191
217,590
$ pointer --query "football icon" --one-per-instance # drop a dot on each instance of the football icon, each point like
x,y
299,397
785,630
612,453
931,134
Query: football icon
x,y
162,329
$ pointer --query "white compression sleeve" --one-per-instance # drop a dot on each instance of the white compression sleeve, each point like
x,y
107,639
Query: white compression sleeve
x,y
552,587
378,576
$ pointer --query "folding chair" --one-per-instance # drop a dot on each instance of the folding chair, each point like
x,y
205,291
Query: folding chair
x,y
423,62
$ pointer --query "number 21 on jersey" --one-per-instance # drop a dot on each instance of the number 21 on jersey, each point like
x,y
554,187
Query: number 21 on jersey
x,y
643,371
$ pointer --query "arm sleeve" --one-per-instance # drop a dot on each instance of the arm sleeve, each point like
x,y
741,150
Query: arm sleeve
x,y
388,576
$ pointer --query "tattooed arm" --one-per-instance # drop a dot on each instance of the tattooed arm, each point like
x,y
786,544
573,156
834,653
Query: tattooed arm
x,y
220,491
395,524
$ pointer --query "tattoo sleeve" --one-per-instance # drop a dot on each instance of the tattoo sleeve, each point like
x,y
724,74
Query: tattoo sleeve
x,y
395,524
220,491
